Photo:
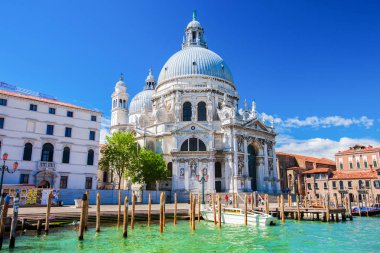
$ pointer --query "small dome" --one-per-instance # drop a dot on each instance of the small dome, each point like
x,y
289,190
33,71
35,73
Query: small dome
x,y
150,77
194,24
121,81
143,100
195,61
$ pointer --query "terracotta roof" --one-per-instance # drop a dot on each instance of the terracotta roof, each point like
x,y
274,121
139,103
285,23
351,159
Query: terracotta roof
x,y
309,158
296,168
359,149
44,100
317,170
354,175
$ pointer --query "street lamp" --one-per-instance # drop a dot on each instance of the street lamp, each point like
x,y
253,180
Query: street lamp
x,y
202,180
4,167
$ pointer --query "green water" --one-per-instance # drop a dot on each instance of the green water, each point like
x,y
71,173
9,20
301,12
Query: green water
x,y
360,235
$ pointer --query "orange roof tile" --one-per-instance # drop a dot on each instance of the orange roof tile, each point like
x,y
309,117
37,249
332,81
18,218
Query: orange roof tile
x,y
44,100
309,158
317,170
359,149
353,175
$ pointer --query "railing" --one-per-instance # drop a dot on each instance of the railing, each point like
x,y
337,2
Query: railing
x,y
46,165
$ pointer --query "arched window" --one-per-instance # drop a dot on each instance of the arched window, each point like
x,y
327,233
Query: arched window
x,y
202,115
186,113
185,146
66,155
170,169
27,152
47,152
341,186
193,144
90,157
218,169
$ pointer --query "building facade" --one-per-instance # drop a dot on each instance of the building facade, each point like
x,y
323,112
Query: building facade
x,y
357,176
55,144
191,117
293,168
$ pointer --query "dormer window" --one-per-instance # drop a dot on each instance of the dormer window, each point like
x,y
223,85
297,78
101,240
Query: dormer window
x,y
194,36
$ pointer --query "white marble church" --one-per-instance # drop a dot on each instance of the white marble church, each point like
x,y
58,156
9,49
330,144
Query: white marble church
x,y
191,117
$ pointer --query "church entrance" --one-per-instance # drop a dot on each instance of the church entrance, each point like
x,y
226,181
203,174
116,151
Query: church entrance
x,y
44,184
218,186
252,170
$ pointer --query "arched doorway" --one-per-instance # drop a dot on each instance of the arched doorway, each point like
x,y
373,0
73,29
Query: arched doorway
x,y
218,177
43,184
252,170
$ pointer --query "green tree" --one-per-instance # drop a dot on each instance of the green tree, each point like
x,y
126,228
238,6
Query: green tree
x,y
120,154
150,168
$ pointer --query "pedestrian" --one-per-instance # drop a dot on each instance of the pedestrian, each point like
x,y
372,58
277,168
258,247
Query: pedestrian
x,y
226,198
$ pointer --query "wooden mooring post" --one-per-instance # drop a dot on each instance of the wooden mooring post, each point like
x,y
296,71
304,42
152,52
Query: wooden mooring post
x,y
199,208
98,212
118,208
298,207
133,211
175,209
282,209
193,213
245,210
125,218
328,208
161,212
219,212
214,207
149,209
266,202
289,200
350,207
3,218
16,204
48,207
252,201
87,206
82,217
164,210
39,227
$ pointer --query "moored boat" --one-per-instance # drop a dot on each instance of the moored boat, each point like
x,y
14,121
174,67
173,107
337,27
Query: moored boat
x,y
236,216
366,211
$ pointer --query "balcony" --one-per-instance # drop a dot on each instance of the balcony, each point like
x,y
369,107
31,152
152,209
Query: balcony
x,y
42,165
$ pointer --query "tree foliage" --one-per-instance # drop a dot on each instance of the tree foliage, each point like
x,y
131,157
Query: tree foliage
x,y
150,167
119,154
123,157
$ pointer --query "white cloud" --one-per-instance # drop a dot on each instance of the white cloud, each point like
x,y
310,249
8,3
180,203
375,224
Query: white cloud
x,y
320,147
324,122
104,129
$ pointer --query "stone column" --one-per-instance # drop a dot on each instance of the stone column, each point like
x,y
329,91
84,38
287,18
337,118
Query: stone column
x,y
211,177
187,176
246,172
268,186
175,175
228,173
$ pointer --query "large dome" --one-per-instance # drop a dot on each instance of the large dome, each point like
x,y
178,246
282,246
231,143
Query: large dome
x,y
195,61
143,100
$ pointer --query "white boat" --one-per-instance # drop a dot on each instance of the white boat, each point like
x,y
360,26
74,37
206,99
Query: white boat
x,y
236,216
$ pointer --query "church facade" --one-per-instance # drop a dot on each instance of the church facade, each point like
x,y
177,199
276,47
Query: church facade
x,y
190,115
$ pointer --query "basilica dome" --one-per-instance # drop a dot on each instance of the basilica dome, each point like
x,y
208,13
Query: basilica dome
x,y
143,100
195,59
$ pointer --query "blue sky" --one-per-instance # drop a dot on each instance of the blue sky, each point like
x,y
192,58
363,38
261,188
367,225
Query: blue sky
x,y
312,65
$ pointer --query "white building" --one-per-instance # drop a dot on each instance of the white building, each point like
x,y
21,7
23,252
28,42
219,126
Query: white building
x,y
191,117
56,144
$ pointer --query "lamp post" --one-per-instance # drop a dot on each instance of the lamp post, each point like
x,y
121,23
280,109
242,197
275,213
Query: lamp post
x,y
4,167
202,179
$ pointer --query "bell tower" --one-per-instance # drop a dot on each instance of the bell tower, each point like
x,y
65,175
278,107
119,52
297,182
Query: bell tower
x,y
119,116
